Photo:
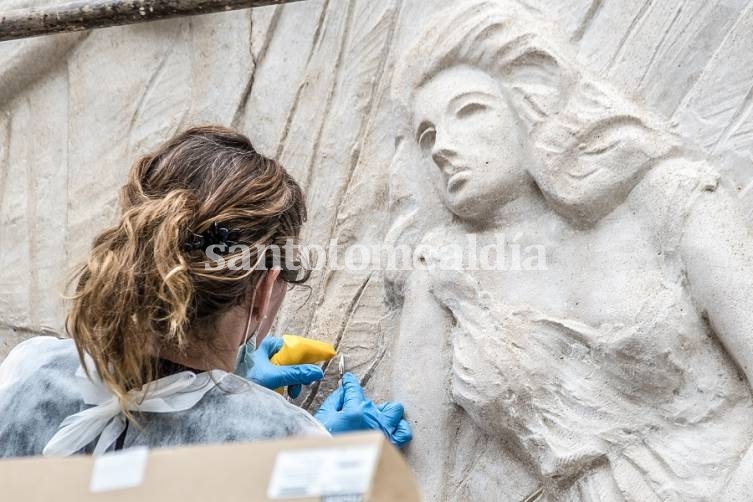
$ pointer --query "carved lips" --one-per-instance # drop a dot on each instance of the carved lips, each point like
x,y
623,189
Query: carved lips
x,y
457,181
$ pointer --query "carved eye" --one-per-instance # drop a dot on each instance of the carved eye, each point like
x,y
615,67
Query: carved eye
x,y
427,137
470,109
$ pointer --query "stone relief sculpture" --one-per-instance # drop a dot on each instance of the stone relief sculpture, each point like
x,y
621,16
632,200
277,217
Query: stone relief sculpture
x,y
565,378
611,373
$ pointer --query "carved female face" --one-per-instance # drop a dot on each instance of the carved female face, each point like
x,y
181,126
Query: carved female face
x,y
464,122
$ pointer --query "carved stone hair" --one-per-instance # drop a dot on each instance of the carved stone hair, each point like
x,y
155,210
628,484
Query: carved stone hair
x,y
497,38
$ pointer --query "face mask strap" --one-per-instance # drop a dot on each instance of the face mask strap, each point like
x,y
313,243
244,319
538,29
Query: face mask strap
x,y
248,325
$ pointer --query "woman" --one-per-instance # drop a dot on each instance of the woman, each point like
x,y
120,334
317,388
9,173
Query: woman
x,y
158,329
601,375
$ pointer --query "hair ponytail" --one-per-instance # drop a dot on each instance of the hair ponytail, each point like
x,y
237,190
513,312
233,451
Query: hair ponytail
x,y
134,290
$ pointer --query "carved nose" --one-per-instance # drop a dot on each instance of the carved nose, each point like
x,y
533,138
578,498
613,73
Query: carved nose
x,y
440,157
442,154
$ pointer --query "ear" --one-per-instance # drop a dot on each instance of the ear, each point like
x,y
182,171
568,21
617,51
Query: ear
x,y
263,293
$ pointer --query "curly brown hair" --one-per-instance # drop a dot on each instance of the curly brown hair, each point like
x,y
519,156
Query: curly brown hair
x,y
141,292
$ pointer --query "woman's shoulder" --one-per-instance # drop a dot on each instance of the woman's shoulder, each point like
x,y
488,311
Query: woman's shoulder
x,y
669,190
681,174
234,410
29,356
673,185
238,409
440,243
37,391
247,395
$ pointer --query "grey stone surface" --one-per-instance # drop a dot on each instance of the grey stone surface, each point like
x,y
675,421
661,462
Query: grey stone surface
x,y
611,376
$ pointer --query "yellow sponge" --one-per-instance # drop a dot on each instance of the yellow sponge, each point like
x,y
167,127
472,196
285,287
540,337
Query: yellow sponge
x,y
299,350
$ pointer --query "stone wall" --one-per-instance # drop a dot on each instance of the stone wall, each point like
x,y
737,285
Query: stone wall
x,y
311,84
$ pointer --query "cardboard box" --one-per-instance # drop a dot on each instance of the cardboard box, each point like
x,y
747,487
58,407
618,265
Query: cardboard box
x,y
346,468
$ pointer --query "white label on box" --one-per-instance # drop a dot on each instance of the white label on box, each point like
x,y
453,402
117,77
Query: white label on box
x,y
322,472
119,470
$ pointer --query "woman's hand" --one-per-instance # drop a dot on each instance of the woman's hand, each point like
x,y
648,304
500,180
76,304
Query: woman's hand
x,y
273,377
348,410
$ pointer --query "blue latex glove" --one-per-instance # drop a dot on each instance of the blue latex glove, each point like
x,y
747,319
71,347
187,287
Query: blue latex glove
x,y
348,410
273,377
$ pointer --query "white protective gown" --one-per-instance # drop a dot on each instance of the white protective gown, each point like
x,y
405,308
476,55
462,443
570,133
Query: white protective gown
x,y
41,385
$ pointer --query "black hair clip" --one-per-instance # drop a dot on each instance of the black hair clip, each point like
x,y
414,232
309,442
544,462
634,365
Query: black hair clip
x,y
215,236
